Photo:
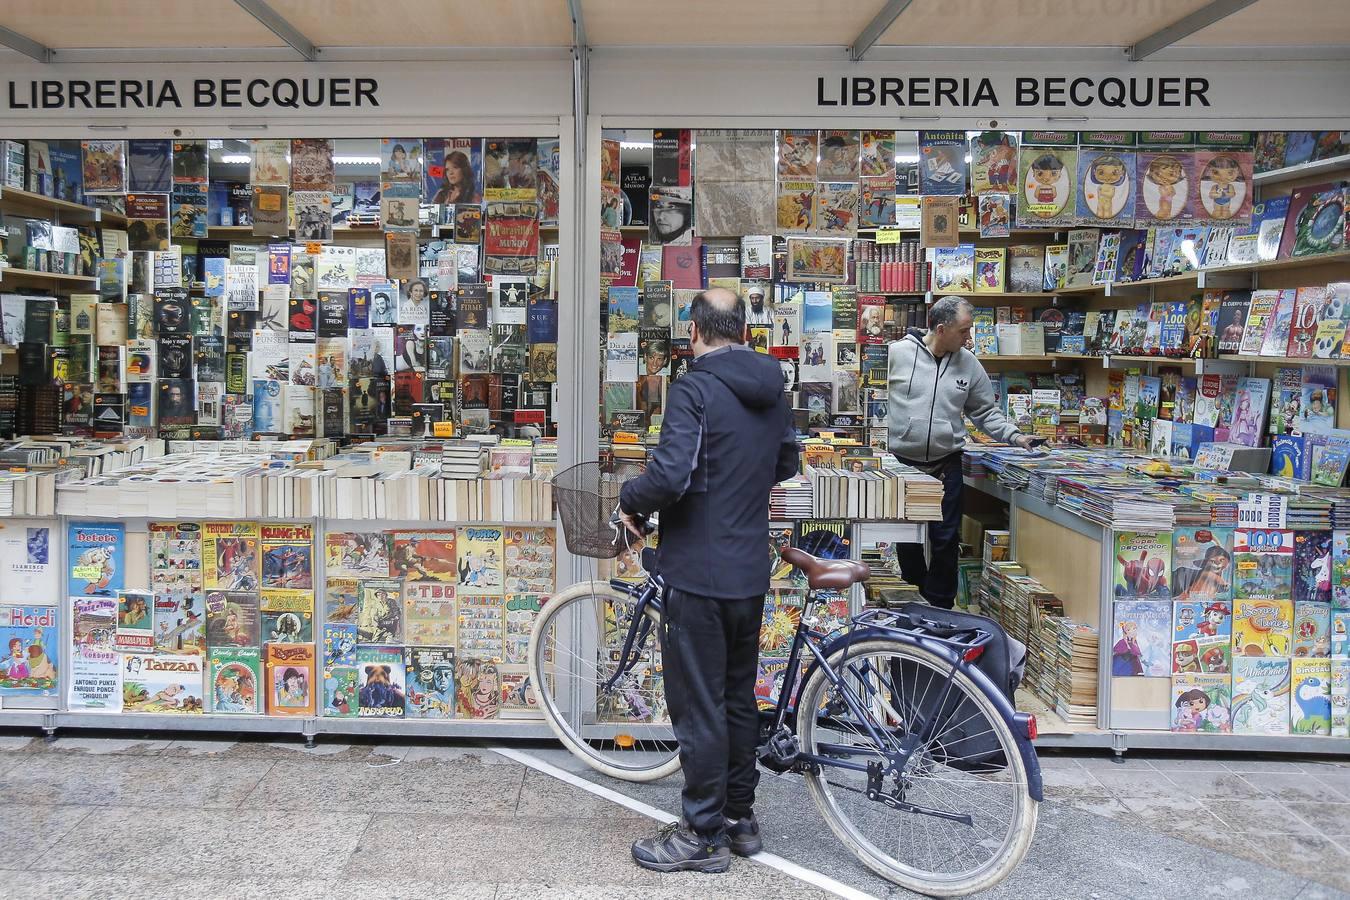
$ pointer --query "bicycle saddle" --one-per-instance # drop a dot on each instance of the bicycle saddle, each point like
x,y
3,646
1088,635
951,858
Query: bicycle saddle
x,y
827,574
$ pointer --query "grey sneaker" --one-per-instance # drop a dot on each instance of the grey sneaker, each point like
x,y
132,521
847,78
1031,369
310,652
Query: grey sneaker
x,y
744,835
677,849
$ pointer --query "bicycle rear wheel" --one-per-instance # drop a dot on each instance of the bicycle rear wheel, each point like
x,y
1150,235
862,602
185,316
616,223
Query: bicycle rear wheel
x,y
623,731
971,768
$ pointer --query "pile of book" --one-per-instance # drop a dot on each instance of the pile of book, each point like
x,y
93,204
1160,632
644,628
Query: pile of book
x,y
791,499
1075,692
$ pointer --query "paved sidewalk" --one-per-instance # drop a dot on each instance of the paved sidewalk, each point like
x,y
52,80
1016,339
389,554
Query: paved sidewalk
x,y
141,816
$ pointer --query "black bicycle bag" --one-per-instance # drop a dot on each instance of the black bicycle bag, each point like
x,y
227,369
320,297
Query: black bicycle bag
x,y
964,740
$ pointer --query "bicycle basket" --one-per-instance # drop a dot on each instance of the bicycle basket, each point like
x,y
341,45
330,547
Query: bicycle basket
x,y
587,496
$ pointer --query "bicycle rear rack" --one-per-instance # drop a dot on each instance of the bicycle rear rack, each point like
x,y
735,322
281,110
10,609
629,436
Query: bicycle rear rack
x,y
967,643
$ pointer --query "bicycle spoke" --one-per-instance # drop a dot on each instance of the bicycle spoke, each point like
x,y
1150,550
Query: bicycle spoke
x,y
967,766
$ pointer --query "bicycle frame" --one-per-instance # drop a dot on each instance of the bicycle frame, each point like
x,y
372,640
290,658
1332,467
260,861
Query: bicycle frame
x,y
959,654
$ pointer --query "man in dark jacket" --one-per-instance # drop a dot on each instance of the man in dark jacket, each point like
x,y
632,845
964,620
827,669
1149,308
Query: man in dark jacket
x,y
726,440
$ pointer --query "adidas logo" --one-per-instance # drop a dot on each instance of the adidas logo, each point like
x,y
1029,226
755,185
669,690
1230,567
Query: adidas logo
x,y
962,383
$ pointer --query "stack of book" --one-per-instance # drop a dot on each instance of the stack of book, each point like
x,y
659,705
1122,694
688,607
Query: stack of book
x,y
1075,697
791,499
923,495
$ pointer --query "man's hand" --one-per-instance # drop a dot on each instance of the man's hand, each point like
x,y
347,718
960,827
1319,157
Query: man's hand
x,y
1028,442
631,523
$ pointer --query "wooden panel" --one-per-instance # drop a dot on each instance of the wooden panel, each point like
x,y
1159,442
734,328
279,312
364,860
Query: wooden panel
x,y
445,23
1064,561
69,24
1143,703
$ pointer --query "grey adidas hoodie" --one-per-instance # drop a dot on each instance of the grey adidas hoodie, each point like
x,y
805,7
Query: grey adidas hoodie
x,y
928,396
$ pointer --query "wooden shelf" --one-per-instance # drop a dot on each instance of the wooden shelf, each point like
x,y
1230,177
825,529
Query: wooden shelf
x,y
1044,357
1284,360
972,296
13,273
1302,170
1320,259
66,211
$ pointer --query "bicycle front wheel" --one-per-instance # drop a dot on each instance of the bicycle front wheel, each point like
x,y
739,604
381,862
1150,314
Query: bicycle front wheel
x,y
960,817
622,730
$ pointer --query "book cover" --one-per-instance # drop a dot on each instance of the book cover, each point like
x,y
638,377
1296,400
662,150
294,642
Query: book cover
x,y
989,263
232,619
1262,627
1201,703
1260,310
381,680
1312,629
1334,319
289,675
1142,638
1233,314
1163,186
1303,326
1312,566
954,269
1223,185
1142,565
430,676
1202,563
1047,178
1026,268
1317,408
1315,222
1260,695
236,673
1056,266
1263,564
163,683
1270,230
1310,696
1105,187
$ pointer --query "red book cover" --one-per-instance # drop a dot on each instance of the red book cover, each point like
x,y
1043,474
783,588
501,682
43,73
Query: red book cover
x,y
628,266
682,265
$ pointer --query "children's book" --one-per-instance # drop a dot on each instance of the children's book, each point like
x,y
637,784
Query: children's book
x,y
1202,564
289,677
1232,320
1260,695
430,692
1260,311
1201,703
1262,627
1312,566
236,678
1312,629
163,683
1276,340
1310,700
1340,569
1142,565
1270,231
1340,698
1317,409
954,269
1142,638
989,269
1263,564
1308,303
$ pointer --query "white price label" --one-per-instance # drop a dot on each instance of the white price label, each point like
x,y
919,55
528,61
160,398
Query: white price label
x,y
1262,511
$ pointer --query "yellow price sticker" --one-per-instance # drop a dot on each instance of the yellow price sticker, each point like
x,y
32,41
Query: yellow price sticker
x,y
888,235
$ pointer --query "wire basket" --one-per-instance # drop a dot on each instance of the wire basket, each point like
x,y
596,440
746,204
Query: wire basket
x,y
587,496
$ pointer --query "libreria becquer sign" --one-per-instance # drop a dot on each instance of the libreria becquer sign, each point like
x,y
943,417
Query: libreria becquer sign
x,y
1025,92
128,94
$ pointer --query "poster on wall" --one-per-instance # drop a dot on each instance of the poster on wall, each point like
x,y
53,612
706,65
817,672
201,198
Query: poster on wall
x,y
27,561
1047,186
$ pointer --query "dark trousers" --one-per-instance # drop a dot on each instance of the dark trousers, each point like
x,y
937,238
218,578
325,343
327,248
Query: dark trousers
x,y
936,577
709,656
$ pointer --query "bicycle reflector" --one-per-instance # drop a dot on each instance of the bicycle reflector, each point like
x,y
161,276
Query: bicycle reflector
x,y
973,653
625,741
1028,724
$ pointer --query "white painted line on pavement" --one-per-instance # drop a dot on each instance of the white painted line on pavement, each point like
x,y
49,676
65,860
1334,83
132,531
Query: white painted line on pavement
x,y
773,861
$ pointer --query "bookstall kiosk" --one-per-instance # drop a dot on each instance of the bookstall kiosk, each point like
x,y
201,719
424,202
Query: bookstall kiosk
x,y
1071,556
528,97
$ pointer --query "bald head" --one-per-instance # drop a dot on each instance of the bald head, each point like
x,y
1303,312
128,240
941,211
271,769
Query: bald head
x,y
719,316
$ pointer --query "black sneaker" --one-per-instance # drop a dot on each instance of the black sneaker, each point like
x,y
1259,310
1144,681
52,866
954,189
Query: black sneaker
x,y
677,849
744,836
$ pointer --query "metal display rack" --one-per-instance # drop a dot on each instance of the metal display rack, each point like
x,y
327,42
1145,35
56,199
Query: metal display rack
x,y
1114,729
51,718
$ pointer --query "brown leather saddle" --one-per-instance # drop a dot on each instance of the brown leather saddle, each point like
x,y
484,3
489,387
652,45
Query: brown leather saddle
x,y
827,574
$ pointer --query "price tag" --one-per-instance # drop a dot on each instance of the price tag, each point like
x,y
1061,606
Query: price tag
x,y
313,248
443,429
1262,511
888,235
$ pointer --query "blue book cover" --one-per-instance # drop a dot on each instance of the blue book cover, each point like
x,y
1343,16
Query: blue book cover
x,y
339,644
1298,147
31,637
541,321
213,268
67,173
1182,436
817,312
358,307
1200,434
1130,255
1150,389
943,167
623,309
95,559
149,166
1173,334
1286,455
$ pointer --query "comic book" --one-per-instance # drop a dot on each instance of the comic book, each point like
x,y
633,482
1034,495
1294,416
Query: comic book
x,y
481,627
356,554
530,560
1142,632
1312,566
429,613
481,552
29,568
769,679
179,621
1340,634
1310,696
236,673
423,556
95,558
1260,695
519,700
381,678
1201,703
32,661
477,687
1202,563
285,621
379,611
1262,627
520,612
1263,564
95,665
780,571
1312,629
782,614
232,619
163,683
1142,565
135,621
1202,636
340,691
290,679
230,556
430,690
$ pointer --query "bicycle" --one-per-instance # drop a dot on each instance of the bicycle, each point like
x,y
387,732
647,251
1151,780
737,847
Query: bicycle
x,y
916,761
